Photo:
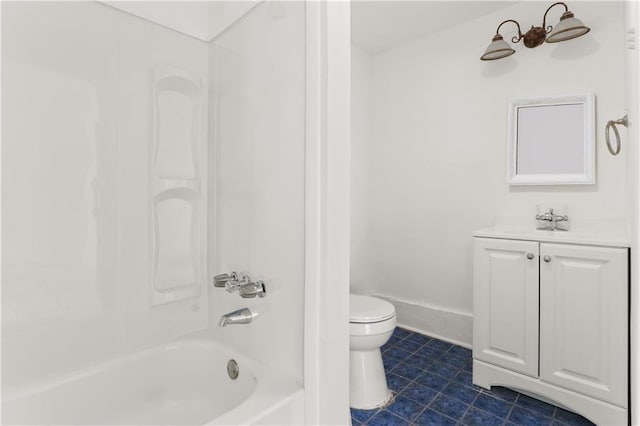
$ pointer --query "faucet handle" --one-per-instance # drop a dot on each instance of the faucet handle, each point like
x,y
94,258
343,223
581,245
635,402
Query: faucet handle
x,y
253,289
220,280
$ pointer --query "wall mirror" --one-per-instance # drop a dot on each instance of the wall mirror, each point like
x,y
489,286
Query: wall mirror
x,y
551,140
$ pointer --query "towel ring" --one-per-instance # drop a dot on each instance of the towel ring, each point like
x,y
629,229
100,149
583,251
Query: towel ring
x,y
611,124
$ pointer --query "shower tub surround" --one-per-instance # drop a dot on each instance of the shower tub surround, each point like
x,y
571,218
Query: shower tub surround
x,y
432,385
182,382
111,206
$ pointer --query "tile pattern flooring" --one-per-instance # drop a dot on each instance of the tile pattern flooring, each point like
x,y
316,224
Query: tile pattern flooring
x,y
432,385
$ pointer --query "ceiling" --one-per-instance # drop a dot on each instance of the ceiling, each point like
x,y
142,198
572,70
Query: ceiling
x,y
377,26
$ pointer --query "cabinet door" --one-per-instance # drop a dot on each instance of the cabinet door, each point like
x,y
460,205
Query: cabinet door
x,y
505,304
584,320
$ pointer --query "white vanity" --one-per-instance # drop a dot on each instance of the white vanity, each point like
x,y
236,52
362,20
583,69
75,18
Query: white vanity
x,y
551,318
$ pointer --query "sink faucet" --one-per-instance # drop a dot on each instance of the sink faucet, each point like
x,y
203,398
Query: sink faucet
x,y
241,316
552,220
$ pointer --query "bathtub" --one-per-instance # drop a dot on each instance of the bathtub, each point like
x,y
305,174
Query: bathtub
x,y
183,382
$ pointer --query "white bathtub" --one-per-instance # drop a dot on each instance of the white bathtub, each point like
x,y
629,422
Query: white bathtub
x,y
184,382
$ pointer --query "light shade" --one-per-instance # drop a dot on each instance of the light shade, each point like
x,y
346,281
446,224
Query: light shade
x,y
569,27
497,49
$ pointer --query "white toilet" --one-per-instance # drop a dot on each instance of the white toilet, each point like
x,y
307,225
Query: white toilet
x,y
371,324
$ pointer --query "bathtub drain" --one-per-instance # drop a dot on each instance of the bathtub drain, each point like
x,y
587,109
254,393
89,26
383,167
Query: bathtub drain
x,y
232,369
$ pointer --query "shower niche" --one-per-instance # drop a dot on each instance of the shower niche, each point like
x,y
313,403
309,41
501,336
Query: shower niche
x,y
176,185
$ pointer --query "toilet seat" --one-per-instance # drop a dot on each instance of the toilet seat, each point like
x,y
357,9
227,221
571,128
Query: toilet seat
x,y
372,328
367,310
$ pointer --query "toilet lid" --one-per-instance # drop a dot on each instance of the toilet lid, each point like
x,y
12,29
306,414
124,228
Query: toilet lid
x,y
364,309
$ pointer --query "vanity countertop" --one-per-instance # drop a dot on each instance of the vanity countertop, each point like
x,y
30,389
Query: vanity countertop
x,y
598,233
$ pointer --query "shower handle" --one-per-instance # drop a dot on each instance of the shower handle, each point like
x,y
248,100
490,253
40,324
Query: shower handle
x,y
253,289
222,279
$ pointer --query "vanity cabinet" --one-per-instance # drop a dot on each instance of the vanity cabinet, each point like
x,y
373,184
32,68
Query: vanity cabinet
x,y
552,319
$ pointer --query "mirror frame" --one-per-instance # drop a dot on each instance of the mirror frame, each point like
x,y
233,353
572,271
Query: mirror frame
x,y
588,176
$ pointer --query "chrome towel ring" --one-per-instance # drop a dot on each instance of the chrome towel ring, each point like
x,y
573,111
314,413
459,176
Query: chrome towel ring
x,y
611,124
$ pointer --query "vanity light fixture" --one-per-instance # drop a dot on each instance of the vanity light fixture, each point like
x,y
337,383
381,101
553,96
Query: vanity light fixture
x,y
569,27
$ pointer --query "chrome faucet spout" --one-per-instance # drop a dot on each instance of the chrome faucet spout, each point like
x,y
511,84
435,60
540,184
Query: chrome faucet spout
x,y
241,316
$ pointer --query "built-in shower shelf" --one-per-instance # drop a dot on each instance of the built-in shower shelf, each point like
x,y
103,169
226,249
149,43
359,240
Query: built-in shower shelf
x,y
176,186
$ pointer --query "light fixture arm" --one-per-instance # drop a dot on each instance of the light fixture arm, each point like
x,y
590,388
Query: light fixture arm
x,y
544,19
514,39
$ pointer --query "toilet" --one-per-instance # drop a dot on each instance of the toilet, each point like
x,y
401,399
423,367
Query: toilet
x,y
371,324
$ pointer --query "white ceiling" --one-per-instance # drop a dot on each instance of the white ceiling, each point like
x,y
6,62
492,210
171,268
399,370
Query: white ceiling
x,y
377,26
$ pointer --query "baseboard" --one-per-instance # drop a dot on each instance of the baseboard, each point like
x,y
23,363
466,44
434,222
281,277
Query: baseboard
x,y
450,326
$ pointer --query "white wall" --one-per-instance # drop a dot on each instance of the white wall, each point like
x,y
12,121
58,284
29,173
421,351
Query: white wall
x,y
258,118
327,213
432,168
361,134
77,186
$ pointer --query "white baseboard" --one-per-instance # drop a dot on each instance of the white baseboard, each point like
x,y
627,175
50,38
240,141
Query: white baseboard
x,y
450,326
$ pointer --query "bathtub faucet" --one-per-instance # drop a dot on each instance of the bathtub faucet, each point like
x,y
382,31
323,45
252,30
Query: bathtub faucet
x,y
241,316
243,285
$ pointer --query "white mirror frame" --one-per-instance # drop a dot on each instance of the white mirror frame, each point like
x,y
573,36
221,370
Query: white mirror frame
x,y
588,123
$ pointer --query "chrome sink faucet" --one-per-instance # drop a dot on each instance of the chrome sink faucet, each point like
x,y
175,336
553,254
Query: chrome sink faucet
x,y
241,316
552,220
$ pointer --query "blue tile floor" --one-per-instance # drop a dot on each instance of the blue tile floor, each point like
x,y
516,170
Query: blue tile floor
x,y
432,385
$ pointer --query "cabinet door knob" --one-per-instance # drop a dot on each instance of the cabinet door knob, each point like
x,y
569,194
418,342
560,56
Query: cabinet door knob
x,y
530,256
547,259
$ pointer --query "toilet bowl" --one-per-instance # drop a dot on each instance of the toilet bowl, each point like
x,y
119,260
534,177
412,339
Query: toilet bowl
x,y
371,324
